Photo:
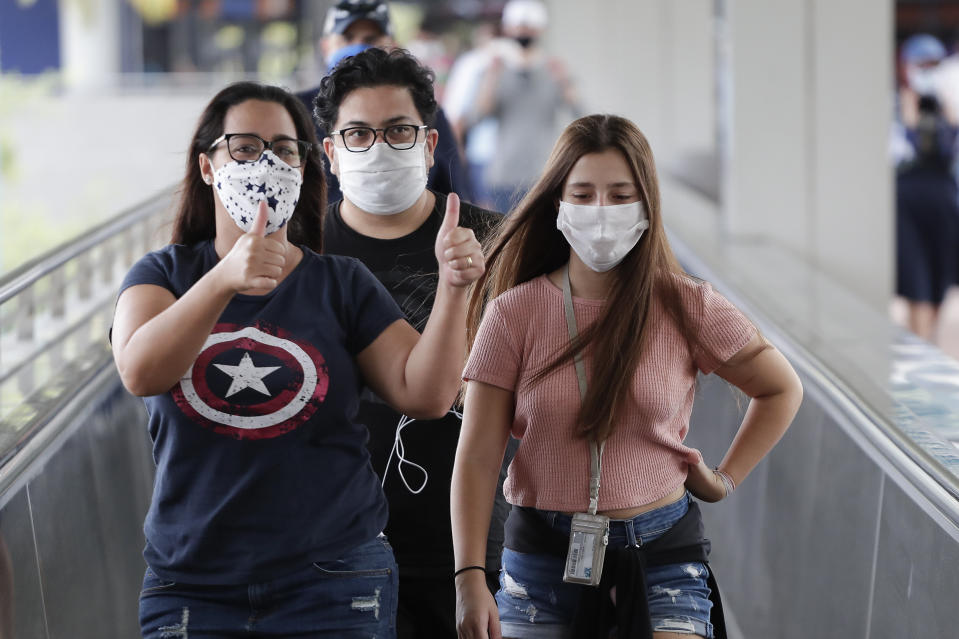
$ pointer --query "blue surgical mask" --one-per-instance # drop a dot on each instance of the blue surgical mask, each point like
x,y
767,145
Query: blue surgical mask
x,y
337,56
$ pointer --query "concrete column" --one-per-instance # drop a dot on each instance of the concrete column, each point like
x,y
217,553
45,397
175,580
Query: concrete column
x,y
690,87
806,111
764,130
687,149
852,233
90,43
615,53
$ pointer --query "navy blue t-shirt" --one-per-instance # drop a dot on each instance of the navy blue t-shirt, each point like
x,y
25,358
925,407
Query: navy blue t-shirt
x,y
261,464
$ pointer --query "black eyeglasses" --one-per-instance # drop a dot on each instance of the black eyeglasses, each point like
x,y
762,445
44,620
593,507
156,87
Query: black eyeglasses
x,y
398,136
248,147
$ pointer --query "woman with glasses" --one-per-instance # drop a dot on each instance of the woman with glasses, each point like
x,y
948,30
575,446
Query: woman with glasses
x,y
588,352
251,350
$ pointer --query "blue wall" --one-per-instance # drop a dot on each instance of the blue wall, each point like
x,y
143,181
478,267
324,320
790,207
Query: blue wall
x,y
29,36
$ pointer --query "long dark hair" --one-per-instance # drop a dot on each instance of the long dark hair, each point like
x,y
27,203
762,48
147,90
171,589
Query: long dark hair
x,y
195,220
528,245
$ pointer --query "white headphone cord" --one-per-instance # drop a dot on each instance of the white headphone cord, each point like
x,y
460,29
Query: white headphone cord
x,y
400,451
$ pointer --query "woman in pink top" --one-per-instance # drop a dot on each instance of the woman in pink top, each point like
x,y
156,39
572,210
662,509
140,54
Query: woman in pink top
x,y
597,381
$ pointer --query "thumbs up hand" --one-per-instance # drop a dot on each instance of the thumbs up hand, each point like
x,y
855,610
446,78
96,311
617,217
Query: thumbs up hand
x,y
458,253
255,262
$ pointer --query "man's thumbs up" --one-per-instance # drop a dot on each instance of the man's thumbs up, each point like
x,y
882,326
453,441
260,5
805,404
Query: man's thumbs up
x,y
452,218
459,255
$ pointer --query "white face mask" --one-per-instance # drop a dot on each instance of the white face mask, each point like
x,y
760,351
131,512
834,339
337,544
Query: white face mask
x,y
382,181
602,235
241,187
922,81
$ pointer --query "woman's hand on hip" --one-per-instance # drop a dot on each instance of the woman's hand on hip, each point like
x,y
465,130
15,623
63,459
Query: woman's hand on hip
x,y
458,252
704,484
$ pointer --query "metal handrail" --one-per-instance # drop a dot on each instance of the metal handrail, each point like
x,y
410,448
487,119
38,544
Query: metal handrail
x,y
49,424
40,376
26,275
42,349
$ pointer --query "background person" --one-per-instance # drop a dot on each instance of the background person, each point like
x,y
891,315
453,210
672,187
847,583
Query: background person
x,y
592,225
477,137
927,203
251,351
378,107
525,90
355,25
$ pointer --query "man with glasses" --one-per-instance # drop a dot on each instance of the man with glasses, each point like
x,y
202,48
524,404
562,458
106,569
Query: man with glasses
x,y
379,107
355,25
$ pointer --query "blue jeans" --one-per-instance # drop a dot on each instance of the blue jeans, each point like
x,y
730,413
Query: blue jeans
x,y
534,602
354,596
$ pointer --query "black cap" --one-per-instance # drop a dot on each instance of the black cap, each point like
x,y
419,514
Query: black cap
x,y
346,12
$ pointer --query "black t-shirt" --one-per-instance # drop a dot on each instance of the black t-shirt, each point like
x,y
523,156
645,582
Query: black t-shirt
x,y
262,466
419,525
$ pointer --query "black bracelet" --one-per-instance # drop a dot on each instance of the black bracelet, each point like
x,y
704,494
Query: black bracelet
x,y
483,568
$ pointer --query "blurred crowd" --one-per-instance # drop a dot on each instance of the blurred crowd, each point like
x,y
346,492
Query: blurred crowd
x,y
498,84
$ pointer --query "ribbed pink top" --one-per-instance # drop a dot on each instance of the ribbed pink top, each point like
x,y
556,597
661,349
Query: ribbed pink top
x,y
644,458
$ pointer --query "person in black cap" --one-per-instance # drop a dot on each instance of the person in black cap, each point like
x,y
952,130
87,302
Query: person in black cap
x,y
352,26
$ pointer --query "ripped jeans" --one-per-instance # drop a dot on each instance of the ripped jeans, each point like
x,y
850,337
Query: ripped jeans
x,y
535,603
354,596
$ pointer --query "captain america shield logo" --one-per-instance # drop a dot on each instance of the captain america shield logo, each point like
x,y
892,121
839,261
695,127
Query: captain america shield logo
x,y
253,382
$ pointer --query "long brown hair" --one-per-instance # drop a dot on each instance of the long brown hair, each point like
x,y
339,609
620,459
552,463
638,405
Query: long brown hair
x,y
527,244
195,220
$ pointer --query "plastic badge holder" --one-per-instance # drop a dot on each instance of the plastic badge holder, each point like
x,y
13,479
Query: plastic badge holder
x,y
588,537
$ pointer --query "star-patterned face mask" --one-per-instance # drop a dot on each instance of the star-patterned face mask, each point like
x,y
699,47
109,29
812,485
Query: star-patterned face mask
x,y
242,185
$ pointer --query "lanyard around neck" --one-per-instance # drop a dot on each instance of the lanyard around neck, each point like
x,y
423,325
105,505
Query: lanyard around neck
x,y
595,450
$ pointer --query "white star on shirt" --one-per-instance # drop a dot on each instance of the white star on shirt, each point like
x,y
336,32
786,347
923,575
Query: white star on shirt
x,y
246,375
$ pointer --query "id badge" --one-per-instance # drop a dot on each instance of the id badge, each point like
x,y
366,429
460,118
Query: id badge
x,y
588,536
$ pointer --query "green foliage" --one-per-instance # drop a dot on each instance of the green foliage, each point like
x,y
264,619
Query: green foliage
x,y
27,230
